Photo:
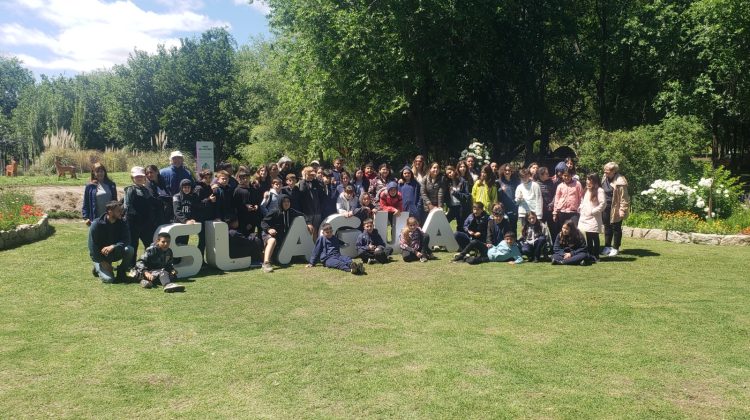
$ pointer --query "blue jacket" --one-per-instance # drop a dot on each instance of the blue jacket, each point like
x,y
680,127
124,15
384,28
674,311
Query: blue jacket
x,y
364,240
89,199
325,248
411,198
102,233
504,252
496,232
172,177
477,224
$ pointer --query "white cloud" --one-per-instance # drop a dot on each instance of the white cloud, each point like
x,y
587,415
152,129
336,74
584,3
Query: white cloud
x,y
92,34
259,5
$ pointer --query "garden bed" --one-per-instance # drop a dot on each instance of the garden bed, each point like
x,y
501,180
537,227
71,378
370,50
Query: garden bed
x,y
24,234
686,237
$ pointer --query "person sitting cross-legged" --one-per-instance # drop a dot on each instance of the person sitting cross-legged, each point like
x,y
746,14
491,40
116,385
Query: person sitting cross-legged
x,y
109,241
370,245
156,265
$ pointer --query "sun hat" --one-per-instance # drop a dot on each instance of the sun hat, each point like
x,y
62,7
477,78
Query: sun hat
x,y
175,154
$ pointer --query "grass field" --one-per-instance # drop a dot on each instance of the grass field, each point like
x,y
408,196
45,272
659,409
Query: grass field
x,y
660,332
122,179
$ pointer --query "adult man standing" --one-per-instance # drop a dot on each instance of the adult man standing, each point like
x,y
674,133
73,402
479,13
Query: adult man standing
x,y
109,241
175,173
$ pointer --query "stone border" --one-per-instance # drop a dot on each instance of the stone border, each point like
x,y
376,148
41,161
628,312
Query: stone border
x,y
25,234
686,238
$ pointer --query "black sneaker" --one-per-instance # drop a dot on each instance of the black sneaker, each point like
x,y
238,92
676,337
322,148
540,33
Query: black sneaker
x,y
94,273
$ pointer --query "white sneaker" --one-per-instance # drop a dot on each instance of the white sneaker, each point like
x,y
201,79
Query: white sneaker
x,y
613,252
605,251
266,267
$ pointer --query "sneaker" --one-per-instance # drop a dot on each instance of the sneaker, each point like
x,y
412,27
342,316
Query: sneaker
x,y
174,287
613,252
423,259
146,284
605,251
361,268
556,262
94,273
458,257
266,266
371,261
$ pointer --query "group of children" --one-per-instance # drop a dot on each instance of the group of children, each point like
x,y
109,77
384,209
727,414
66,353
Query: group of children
x,y
561,220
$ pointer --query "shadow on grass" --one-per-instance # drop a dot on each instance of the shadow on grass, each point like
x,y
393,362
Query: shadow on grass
x,y
639,252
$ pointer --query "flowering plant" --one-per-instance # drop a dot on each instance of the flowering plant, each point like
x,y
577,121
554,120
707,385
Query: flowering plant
x,y
714,195
669,196
16,209
479,151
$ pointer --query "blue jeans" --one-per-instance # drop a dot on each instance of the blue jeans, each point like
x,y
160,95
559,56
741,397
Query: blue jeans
x,y
124,253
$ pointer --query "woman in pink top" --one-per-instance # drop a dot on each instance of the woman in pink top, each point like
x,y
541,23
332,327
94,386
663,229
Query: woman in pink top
x,y
590,221
567,201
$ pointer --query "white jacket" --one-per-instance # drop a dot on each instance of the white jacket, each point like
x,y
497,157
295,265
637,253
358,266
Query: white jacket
x,y
591,212
529,198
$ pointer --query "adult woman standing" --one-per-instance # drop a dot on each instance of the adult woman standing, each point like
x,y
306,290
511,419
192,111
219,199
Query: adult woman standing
x,y
418,168
459,197
100,191
616,209
157,186
142,210
463,172
433,189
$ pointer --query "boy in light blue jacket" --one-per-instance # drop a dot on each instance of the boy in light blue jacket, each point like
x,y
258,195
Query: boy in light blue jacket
x,y
507,250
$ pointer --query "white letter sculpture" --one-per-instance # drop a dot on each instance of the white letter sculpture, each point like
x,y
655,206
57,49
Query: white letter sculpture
x,y
439,229
298,242
217,248
192,260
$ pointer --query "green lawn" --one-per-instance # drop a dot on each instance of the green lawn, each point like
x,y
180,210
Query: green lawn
x,y
122,179
661,331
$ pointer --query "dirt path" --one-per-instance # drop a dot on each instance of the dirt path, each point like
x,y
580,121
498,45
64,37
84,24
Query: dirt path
x,y
68,198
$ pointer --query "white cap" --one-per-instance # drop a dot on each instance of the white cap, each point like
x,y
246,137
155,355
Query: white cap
x,y
137,171
175,154
284,159
315,162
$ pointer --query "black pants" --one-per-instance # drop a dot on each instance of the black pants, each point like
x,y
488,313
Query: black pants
x,y
474,245
380,254
412,256
534,250
612,231
592,244
143,232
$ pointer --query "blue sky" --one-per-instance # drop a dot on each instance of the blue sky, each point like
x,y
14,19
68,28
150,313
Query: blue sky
x,y
68,37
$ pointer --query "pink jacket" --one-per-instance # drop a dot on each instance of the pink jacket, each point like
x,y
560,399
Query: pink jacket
x,y
568,197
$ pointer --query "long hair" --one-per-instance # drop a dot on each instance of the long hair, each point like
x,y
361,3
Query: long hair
x,y
596,183
537,226
96,166
574,235
405,230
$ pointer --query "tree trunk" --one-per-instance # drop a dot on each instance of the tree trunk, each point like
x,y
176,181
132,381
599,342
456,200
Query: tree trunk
x,y
714,140
417,125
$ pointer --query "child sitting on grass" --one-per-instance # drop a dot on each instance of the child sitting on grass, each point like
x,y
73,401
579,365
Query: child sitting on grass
x,y
532,237
156,264
414,243
328,251
570,246
507,250
370,245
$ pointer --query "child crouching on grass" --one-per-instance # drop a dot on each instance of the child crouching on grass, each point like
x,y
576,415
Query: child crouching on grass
x,y
370,246
414,243
328,251
508,250
156,265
